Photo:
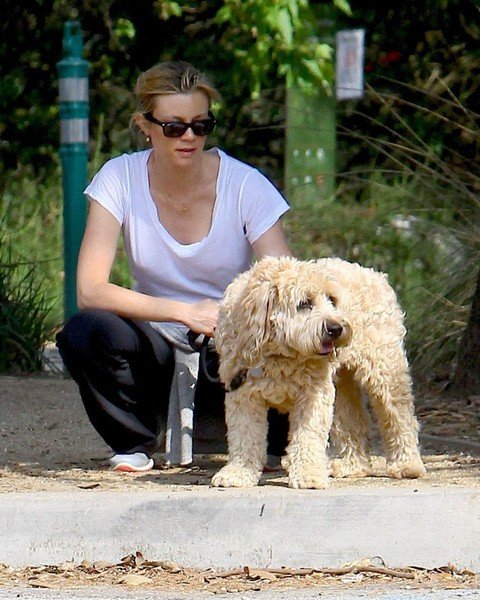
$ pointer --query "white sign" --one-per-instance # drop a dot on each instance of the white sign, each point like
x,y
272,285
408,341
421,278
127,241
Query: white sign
x,y
350,46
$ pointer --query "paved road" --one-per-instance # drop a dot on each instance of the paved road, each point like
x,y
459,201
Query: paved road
x,y
113,593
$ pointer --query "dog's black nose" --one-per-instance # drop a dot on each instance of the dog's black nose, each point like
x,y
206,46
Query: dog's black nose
x,y
333,330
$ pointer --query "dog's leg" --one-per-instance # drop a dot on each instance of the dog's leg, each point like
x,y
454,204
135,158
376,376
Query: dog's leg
x,y
389,387
246,417
310,423
350,435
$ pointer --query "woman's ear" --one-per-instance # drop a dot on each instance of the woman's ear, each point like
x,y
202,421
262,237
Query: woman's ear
x,y
142,124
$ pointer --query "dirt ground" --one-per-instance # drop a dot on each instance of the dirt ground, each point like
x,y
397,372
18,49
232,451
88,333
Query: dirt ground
x,y
47,444
135,571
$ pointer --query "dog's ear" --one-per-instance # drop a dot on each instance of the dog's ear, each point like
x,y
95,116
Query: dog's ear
x,y
257,323
246,323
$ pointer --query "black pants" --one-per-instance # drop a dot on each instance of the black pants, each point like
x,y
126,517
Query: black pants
x,y
124,371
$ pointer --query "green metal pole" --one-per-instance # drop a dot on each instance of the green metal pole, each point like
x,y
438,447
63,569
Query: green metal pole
x,y
73,95
310,153
310,146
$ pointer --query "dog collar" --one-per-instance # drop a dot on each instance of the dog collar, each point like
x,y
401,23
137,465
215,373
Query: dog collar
x,y
242,375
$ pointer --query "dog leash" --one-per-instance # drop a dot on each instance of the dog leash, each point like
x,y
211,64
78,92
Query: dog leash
x,y
192,337
202,348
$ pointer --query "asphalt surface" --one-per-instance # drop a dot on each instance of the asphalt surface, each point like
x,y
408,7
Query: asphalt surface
x,y
112,593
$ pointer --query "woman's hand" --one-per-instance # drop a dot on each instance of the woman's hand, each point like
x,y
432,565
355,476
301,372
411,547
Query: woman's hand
x,y
202,317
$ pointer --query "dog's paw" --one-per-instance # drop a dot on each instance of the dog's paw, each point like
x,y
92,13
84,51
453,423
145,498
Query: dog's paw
x,y
235,476
308,478
406,469
350,467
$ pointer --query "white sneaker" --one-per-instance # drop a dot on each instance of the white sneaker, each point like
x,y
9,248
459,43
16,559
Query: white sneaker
x,y
133,463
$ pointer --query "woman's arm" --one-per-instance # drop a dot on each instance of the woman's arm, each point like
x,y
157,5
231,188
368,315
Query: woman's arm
x,y
272,243
94,289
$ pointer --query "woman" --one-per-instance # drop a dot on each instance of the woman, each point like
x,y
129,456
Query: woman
x,y
192,219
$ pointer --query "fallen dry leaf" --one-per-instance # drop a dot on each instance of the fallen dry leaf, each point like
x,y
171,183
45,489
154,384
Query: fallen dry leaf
x,y
255,574
134,579
100,565
66,566
43,581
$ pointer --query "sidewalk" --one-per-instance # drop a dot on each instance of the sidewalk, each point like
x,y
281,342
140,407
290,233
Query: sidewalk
x,y
58,503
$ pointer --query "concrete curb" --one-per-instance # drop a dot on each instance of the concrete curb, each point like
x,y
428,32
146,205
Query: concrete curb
x,y
263,527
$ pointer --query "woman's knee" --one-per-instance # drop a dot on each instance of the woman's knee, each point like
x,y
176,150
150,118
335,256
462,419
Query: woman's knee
x,y
101,338
93,332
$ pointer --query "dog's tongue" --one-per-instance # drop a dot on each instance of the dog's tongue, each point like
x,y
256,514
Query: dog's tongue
x,y
327,348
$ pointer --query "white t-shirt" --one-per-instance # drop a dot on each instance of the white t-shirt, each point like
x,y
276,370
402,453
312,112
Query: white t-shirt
x,y
246,206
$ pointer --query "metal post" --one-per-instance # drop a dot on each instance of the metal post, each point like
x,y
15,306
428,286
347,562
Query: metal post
x,y
73,95
310,146
310,157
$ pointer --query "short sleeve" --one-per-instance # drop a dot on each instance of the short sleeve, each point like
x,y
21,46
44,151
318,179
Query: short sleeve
x,y
261,205
108,188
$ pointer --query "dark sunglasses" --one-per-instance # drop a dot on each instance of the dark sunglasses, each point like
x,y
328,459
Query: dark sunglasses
x,y
174,129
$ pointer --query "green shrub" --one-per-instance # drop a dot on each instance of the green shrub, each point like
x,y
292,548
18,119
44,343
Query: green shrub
x,y
24,309
31,230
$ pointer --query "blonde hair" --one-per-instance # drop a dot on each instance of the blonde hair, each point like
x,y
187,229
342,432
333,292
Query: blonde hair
x,y
173,77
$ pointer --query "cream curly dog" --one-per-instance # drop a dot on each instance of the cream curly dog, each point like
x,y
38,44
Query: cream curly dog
x,y
302,337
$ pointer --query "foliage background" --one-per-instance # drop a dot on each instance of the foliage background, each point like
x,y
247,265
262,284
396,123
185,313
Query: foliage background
x,y
407,184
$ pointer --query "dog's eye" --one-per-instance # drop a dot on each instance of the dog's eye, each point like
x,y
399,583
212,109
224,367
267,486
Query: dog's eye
x,y
305,305
332,299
